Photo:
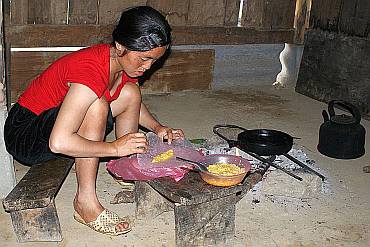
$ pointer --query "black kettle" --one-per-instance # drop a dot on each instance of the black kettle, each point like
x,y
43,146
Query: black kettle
x,y
342,136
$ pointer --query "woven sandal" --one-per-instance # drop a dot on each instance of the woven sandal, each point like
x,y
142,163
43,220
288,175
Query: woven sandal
x,y
105,223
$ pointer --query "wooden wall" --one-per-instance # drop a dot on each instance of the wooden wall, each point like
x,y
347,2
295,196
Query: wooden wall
x,y
193,21
341,16
336,58
40,23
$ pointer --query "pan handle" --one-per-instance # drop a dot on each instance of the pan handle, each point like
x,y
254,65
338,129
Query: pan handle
x,y
232,143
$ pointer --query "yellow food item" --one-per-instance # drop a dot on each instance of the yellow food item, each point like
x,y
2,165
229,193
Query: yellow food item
x,y
163,156
225,169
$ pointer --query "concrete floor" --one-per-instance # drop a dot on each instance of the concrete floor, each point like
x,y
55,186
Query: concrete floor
x,y
335,216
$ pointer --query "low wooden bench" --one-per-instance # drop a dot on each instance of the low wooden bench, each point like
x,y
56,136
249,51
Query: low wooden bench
x,y
31,203
204,214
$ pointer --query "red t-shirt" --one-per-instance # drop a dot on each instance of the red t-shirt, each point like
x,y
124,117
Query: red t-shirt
x,y
88,66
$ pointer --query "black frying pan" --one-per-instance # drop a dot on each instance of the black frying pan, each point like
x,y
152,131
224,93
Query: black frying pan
x,y
264,142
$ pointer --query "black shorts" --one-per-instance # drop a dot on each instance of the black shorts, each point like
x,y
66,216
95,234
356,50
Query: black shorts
x,y
26,134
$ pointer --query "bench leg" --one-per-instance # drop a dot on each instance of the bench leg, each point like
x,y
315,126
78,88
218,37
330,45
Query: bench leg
x,y
206,224
38,224
149,203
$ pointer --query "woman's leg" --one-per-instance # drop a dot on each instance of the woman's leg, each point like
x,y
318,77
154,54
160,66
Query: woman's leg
x,y
126,110
86,202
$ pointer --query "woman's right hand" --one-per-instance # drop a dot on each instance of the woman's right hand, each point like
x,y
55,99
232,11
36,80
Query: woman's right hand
x,y
131,144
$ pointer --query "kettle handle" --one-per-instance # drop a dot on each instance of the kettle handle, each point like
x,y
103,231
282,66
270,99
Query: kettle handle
x,y
348,106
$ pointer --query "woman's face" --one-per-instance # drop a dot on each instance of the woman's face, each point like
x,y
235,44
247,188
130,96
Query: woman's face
x,y
135,63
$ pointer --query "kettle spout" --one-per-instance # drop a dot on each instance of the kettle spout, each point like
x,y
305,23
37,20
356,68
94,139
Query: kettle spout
x,y
325,115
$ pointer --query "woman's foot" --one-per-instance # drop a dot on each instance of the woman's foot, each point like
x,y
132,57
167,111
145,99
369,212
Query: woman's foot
x,y
90,209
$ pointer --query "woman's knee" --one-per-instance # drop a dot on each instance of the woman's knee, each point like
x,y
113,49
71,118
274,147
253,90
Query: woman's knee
x,y
94,123
129,98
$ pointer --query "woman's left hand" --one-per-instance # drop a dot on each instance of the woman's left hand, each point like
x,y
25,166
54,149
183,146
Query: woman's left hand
x,y
168,133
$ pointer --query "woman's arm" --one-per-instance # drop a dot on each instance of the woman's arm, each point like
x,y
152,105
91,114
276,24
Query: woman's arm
x,y
65,138
148,121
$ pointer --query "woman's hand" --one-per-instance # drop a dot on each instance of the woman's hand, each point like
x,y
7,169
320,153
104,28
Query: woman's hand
x,y
168,133
131,144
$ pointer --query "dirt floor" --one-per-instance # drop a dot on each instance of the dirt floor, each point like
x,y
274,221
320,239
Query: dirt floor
x,y
280,211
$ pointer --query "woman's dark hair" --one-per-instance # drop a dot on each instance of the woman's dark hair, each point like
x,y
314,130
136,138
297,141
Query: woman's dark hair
x,y
142,29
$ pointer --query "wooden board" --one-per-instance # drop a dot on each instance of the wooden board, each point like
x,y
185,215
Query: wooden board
x,y
185,193
60,35
110,10
336,66
355,18
183,70
349,17
231,12
266,14
206,13
47,11
175,11
39,186
325,14
83,12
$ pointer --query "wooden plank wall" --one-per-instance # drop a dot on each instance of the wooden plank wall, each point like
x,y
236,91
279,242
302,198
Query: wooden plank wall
x,y
193,21
348,17
335,62
39,23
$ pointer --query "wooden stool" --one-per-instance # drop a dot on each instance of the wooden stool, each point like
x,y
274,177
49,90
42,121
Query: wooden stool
x,y
31,203
204,214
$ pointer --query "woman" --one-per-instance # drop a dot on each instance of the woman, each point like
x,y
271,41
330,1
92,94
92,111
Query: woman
x,y
69,108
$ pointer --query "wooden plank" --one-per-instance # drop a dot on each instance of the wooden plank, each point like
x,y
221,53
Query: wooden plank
x,y
266,14
183,70
18,12
231,12
25,66
347,78
252,14
39,186
185,193
60,35
325,14
355,18
83,12
47,12
175,11
206,13
279,14
229,36
110,10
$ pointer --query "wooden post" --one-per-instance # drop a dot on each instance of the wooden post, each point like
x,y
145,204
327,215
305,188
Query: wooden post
x,y
7,175
301,20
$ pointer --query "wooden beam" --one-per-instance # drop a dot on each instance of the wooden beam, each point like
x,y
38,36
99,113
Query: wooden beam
x,y
85,35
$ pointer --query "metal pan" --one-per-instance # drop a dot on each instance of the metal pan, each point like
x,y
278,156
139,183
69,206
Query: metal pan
x,y
264,142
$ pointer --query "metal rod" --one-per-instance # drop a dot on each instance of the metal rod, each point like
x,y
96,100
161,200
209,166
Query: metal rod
x,y
304,166
274,165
